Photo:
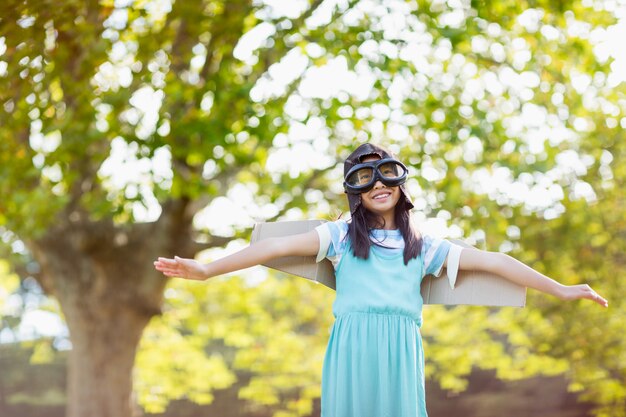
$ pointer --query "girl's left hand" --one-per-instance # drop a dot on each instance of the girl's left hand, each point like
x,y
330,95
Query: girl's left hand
x,y
575,292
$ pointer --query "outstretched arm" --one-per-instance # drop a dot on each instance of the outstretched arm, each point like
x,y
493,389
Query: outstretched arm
x,y
521,274
305,244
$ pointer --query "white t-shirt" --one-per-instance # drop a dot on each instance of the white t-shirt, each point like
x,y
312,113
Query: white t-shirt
x,y
334,242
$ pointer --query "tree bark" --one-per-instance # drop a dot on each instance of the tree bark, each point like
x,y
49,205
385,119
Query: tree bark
x,y
108,290
101,360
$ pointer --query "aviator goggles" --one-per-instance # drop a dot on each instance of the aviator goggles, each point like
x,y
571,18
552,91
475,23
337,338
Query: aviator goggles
x,y
362,177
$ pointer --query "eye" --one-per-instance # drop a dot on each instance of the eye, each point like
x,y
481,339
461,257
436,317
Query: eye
x,y
364,177
389,170
361,177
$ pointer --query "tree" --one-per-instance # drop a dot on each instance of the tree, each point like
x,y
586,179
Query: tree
x,y
451,87
68,96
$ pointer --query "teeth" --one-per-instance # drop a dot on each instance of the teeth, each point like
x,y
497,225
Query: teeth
x,y
379,196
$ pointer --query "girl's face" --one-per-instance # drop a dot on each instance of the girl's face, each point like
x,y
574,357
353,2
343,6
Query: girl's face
x,y
381,199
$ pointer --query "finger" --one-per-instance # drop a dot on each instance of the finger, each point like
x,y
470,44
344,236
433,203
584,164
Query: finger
x,y
183,261
173,272
168,270
594,296
162,267
167,261
169,273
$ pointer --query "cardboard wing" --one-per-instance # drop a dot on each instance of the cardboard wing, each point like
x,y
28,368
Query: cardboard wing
x,y
472,287
302,266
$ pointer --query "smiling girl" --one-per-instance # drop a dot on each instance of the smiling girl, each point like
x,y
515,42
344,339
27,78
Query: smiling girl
x,y
374,363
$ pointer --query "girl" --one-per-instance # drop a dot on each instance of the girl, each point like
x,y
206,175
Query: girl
x,y
374,364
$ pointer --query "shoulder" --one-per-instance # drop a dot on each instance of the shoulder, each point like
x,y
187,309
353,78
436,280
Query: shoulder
x,y
333,240
339,224
431,243
434,253
336,230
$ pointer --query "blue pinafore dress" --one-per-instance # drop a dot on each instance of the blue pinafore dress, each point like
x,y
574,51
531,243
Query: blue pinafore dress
x,y
374,363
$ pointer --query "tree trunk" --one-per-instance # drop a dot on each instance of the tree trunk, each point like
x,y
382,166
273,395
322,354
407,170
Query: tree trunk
x,y
101,361
108,290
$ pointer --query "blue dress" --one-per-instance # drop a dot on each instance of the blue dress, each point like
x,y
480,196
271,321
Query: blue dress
x,y
374,363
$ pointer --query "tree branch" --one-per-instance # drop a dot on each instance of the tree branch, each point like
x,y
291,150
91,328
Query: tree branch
x,y
226,34
310,183
270,56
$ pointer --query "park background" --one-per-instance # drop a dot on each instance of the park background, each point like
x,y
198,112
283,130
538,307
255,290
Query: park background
x,y
133,129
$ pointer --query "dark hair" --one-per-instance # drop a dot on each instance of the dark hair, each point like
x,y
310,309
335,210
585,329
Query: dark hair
x,y
363,221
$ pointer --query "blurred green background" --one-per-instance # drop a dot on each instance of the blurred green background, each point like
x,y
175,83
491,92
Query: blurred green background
x,y
133,129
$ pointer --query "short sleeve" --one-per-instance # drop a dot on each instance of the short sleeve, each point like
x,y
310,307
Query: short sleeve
x,y
333,240
435,251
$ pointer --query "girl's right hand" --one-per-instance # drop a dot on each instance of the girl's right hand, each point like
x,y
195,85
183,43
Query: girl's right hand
x,y
181,267
304,244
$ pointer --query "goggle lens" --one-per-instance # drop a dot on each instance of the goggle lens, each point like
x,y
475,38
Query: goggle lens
x,y
361,177
390,172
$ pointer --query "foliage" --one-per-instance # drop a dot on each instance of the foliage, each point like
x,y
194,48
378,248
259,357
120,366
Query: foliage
x,y
35,385
506,113
9,286
270,333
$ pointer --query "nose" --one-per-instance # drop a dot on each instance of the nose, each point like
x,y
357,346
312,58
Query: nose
x,y
378,184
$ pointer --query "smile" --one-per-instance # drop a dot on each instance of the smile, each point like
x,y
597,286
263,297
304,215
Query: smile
x,y
381,196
